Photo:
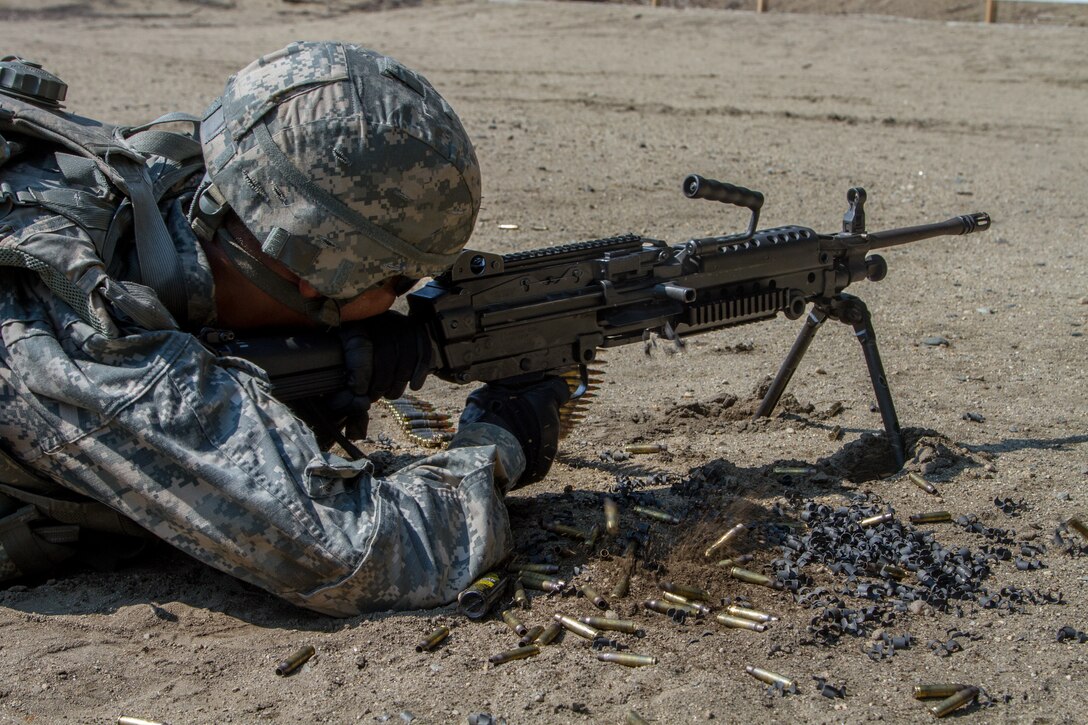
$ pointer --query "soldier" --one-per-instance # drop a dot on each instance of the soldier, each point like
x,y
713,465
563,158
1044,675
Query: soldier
x,y
324,181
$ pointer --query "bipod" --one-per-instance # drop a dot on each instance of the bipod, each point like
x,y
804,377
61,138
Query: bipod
x,y
850,311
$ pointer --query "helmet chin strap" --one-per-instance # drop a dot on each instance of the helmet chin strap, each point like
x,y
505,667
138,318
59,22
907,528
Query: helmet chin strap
x,y
207,215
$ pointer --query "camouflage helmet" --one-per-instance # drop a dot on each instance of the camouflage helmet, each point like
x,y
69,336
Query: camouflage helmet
x,y
346,166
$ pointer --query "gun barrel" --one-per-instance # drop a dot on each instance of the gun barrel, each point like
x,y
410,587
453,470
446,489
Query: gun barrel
x,y
966,224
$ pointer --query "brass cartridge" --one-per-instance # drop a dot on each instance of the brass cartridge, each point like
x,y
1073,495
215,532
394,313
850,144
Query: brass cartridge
x,y
126,720
532,635
876,520
564,530
633,718
611,516
679,602
519,653
752,614
551,631
894,572
476,601
930,517
623,586
539,568
939,690
954,702
656,514
544,585
521,599
771,678
724,539
752,577
686,592
433,639
627,659
573,625
740,623
736,561
514,623
298,659
591,594
922,483
794,470
659,606
613,625
637,449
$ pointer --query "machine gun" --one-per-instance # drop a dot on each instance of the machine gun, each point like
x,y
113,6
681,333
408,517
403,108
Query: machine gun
x,y
495,317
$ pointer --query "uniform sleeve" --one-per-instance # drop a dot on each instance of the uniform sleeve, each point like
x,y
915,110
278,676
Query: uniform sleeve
x,y
196,450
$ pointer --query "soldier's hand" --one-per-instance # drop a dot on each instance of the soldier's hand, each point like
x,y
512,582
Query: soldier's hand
x,y
530,412
382,355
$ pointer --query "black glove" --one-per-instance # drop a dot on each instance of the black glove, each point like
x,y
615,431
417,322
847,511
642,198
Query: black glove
x,y
530,412
382,355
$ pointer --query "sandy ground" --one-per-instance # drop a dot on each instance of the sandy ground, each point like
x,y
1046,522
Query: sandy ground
x,y
586,118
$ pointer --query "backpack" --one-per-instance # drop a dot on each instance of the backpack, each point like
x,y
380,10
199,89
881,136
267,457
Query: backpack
x,y
111,181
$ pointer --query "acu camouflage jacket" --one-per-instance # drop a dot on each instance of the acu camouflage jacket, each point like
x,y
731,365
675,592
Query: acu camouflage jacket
x,y
192,447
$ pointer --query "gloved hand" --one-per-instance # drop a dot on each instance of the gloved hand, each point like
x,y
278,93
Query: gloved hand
x,y
382,355
530,412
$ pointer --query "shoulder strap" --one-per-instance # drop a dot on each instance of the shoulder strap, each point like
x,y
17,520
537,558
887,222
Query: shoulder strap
x,y
126,169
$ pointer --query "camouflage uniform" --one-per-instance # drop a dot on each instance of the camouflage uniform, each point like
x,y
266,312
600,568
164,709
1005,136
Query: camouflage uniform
x,y
194,449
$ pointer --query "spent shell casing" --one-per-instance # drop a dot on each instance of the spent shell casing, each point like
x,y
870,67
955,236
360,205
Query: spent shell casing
x,y
551,631
622,587
516,626
753,614
298,659
573,625
126,720
937,690
659,606
564,530
593,535
954,702
922,483
771,678
930,517
1078,526
592,595
794,470
753,577
894,571
740,623
476,601
539,568
688,605
518,653
521,599
532,635
611,516
876,520
544,585
627,659
612,625
633,718
644,448
433,639
656,514
724,540
687,592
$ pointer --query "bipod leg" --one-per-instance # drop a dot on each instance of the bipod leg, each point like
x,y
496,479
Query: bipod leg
x,y
856,314
815,318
